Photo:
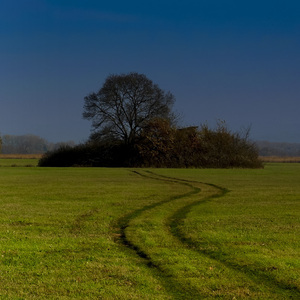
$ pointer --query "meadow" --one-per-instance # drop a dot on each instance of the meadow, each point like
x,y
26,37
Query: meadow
x,y
110,233
19,160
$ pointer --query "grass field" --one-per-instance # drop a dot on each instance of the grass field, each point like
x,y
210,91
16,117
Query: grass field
x,y
97,233
19,160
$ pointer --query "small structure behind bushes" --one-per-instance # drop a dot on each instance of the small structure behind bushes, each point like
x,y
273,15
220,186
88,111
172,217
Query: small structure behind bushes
x,y
162,145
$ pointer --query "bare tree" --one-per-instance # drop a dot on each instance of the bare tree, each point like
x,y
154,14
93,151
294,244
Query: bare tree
x,y
124,105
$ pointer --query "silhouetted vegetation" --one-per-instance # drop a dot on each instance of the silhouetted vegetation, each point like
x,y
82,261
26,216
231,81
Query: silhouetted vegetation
x,y
134,127
124,105
165,146
89,154
162,145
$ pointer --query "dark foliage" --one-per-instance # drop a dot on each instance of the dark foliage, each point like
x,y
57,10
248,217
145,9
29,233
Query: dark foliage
x,y
89,155
163,145
124,105
220,148
133,127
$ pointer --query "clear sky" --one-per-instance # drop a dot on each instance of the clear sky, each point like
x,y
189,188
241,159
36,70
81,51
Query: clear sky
x,y
238,61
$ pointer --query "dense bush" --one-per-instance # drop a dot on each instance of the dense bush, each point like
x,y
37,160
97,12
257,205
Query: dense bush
x,y
220,148
163,145
89,155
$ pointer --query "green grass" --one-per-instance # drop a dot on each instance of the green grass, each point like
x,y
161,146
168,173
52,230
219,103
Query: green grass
x,y
18,162
89,233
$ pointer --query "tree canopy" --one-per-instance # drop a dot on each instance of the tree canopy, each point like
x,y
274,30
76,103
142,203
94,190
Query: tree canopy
x,y
133,127
124,105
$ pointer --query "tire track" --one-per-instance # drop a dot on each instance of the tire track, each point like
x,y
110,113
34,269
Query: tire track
x,y
173,223
172,286
177,219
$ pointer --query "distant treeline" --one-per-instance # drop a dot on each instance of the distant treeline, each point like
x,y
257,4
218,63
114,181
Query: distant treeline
x,y
266,148
29,144
33,144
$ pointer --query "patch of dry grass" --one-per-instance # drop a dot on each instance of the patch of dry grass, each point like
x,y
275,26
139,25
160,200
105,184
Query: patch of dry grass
x,y
281,159
21,156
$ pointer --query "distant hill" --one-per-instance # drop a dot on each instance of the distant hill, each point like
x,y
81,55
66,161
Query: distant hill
x,y
266,148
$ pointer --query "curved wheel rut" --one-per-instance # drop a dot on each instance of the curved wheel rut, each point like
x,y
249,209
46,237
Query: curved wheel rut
x,y
176,210
124,223
181,214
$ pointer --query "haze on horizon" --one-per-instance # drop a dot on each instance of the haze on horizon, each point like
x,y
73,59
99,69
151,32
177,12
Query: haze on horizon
x,y
236,61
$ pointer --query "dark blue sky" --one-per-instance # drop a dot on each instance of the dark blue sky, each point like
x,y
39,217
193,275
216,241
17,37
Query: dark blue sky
x,y
237,61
